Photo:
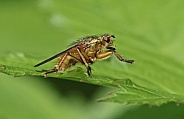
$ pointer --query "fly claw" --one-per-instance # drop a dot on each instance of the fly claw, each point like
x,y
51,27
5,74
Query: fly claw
x,y
85,51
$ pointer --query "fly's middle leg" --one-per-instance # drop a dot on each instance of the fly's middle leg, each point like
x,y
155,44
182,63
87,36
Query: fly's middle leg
x,y
85,62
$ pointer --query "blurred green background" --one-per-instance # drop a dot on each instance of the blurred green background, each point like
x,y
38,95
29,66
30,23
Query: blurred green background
x,y
146,31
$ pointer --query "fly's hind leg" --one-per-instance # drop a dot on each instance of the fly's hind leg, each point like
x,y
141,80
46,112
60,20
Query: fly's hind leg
x,y
50,71
56,66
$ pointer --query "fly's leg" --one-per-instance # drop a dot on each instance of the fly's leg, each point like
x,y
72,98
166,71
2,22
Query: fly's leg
x,y
57,66
78,60
107,54
84,61
50,71
62,60
103,54
122,59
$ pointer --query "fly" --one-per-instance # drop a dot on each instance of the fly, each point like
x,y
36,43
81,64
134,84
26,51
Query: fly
x,y
85,51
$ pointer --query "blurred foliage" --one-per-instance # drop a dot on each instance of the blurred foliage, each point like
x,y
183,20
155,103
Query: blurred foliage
x,y
151,32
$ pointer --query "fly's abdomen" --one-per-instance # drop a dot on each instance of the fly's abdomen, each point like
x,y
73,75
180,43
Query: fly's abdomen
x,y
66,61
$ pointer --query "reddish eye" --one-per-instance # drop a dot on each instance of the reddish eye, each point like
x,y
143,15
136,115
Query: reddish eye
x,y
107,38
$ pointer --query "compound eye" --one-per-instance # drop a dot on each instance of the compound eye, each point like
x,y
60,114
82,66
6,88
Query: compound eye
x,y
107,38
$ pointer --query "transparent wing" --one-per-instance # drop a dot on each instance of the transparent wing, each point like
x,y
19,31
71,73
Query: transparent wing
x,y
53,57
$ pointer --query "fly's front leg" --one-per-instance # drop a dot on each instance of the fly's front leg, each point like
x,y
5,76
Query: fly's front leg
x,y
122,59
84,61
103,54
106,54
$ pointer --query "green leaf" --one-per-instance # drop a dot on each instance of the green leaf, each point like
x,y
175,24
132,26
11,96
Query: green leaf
x,y
127,91
131,93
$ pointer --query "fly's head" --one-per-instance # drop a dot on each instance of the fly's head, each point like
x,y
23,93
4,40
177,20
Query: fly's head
x,y
108,43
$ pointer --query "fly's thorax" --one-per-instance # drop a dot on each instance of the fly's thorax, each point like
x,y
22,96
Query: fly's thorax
x,y
93,45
